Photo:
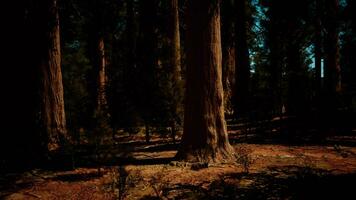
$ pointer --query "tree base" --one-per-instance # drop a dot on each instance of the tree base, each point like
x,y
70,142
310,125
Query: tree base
x,y
222,154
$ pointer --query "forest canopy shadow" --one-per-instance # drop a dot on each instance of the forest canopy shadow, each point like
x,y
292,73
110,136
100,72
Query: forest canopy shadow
x,y
289,182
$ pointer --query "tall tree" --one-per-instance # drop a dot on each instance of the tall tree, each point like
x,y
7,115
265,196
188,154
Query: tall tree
x,y
99,21
175,64
98,53
228,50
148,60
101,101
348,60
296,41
274,36
242,70
174,38
205,134
318,47
332,66
130,70
51,88
332,70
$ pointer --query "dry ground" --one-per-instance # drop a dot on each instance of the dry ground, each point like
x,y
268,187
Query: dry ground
x,y
275,171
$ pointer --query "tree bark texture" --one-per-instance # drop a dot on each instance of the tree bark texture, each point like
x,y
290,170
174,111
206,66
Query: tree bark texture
x,y
52,105
174,38
205,135
228,52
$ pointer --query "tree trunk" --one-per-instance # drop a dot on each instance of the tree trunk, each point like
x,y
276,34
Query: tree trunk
x,y
148,59
174,38
52,105
318,57
176,95
228,52
332,71
205,135
296,101
101,87
131,33
332,65
242,71
317,51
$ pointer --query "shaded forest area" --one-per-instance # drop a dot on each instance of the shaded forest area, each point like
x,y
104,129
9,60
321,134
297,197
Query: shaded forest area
x,y
178,99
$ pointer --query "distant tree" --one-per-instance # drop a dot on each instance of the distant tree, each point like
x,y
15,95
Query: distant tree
x,y
288,38
332,68
147,61
175,65
205,134
174,40
318,47
102,78
75,65
347,59
101,18
275,55
98,28
242,64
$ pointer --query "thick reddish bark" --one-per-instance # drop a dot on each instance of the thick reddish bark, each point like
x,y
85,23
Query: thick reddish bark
x,y
52,105
205,134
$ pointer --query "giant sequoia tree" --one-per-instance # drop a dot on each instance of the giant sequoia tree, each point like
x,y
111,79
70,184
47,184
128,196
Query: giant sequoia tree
x,y
51,87
205,135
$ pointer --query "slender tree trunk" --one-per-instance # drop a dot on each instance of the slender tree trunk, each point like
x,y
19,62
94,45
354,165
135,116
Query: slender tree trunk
x,y
52,105
242,71
101,101
174,38
296,104
205,135
228,52
148,59
276,34
317,51
332,71
332,65
175,65
131,32
318,57
275,70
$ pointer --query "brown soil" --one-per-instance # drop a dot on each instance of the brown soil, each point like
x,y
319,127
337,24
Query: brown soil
x,y
274,172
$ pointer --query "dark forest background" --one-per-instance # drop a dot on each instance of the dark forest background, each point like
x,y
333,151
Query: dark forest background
x,y
288,69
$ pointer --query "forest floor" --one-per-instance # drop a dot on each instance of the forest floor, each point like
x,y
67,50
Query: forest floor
x,y
146,171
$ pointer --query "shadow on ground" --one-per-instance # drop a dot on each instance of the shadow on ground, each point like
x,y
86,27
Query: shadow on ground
x,y
289,182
